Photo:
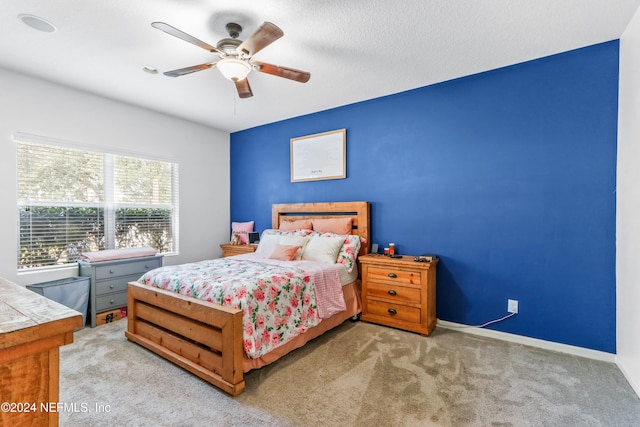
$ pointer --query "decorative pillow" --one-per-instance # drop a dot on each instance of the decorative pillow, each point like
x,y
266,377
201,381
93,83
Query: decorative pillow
x,y
301,233
323,248
295,241
333,225
349,252
284,252
271,237
267,243
242,229
300,224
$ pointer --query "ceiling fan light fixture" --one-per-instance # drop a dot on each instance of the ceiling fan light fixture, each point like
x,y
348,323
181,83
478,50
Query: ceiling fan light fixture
x,y
234,69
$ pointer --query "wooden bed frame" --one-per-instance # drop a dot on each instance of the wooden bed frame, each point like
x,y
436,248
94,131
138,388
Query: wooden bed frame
x,y
206,338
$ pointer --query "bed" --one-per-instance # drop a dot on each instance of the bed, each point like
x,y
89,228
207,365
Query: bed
x,y
207,338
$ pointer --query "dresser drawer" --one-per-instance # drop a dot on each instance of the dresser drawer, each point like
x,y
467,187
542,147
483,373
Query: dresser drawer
x,y
115,285
109,302
393,292
397,312
127,269
393,275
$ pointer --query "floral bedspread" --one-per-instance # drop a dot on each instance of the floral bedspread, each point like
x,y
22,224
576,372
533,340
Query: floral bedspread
x,y
278,299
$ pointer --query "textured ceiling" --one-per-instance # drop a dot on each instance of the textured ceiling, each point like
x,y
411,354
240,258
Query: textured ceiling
x,y
355,50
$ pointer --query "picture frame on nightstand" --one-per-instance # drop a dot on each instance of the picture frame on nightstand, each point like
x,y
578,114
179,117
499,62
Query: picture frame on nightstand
x,y
254,237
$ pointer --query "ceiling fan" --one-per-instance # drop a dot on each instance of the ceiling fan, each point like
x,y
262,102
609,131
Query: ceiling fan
x,y
235,61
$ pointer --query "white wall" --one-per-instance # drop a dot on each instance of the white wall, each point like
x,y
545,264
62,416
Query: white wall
x,y
41,108
628,207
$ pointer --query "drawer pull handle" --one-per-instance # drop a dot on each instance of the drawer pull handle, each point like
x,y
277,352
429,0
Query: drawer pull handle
x,y
392,292
146,267
111,286
110,271
392,311
393,275
111,302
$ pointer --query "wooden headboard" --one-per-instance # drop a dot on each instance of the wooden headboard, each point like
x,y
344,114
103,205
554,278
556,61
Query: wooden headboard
x,y
359,212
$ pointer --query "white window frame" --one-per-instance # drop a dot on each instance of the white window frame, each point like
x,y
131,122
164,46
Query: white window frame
x,y
109,206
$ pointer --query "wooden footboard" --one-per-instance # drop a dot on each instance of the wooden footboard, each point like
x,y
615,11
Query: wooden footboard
x,y
202,337
205,338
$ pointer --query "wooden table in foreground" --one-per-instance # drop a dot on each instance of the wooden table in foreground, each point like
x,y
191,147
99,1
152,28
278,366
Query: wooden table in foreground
x,y
399,292
32,329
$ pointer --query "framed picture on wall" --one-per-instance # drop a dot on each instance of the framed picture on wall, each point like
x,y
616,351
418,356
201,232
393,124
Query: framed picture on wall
x,y
319,156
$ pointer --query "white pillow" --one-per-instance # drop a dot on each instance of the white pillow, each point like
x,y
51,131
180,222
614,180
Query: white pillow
x,y
295,241
267,243
323,248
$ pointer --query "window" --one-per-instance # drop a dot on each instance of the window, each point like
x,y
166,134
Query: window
x,y
72,201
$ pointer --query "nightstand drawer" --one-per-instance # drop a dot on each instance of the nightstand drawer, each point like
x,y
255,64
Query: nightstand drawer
x,y
393,275
392,292
109,302
115,285
231,250
127,269
392,311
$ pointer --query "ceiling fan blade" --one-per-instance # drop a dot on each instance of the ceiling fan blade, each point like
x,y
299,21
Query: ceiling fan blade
x,y
287,73
186,37
188,70
261,38
244,90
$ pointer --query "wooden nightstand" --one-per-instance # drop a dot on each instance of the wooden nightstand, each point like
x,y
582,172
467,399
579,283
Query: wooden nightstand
x,y
399,292
229,249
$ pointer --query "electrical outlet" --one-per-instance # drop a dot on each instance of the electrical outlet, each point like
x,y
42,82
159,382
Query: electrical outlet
x,y
512,306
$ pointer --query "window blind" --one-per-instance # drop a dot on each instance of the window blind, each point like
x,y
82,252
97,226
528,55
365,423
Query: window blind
x,y
73,200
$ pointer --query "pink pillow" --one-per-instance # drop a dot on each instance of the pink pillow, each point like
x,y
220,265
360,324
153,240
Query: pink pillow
x,y
333,225
300,224
284,252
242,229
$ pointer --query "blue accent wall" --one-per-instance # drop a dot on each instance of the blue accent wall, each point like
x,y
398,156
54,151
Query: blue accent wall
x,y
508,176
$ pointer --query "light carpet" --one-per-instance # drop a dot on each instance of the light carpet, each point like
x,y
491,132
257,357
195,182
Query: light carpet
x,y
356,375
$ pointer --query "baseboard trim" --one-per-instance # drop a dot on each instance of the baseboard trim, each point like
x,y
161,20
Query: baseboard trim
x,y
628,377
533,342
